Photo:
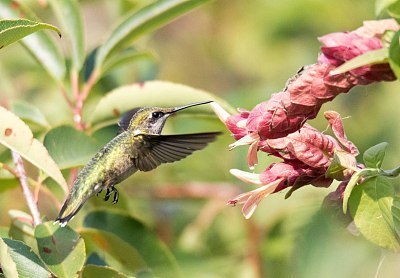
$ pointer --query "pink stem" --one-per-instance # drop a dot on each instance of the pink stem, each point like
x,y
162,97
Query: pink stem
x,y
21,175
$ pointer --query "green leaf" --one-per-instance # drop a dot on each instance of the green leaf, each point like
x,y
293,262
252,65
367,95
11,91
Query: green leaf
x,y
396,213
142,22
152,93
12,30
127,56
16,135
153,250
21,228
95,271
70,147
69,15
353,182
394,54
373,157
393,8
371,207
372,57
61,249
40,45
18,260
381,5
341,163
27,111
116,252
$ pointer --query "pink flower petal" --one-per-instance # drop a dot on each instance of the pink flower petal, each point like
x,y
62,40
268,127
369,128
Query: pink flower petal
x,y
256,197
247,177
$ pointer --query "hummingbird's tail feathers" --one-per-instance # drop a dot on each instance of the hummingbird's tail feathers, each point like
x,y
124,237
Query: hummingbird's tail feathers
x,y
171,148
67,212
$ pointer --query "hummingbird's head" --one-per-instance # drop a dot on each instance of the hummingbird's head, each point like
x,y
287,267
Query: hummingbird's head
x,y
151,119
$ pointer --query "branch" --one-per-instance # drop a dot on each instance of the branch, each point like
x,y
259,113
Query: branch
x,y
21,175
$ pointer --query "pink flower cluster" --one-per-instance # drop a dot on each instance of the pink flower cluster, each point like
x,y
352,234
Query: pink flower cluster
x,y
278,126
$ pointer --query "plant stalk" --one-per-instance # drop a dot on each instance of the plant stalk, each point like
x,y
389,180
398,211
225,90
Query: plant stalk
x,y
23,180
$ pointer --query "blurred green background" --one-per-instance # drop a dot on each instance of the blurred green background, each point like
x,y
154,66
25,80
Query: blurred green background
x,y
242,51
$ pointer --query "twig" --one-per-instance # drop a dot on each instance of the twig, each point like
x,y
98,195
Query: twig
x,y
21,175
9,169
89,84
75,84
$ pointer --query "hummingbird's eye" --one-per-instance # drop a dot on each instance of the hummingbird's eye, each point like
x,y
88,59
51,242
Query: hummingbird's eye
x,y
157,115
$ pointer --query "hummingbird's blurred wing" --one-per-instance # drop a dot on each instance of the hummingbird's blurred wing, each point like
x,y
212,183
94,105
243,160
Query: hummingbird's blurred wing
x,y
170,148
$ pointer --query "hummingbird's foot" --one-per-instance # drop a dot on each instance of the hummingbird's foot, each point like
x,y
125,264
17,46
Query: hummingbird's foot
x,y
111,190
116,195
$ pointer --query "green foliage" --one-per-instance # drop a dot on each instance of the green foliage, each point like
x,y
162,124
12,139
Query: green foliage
x,y
152,231
94,271
115,251
378,56
61,249
68,13
40,44
16,135
392,7
61,142
394,54
154,252
371,207
14,30
373,157
27,112
18,260
141,22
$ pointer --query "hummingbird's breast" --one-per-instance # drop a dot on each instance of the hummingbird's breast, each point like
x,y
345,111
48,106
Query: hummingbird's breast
x,y
112,164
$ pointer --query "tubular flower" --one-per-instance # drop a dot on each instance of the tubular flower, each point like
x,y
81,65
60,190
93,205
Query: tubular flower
x,y
307,156
278,126
287,111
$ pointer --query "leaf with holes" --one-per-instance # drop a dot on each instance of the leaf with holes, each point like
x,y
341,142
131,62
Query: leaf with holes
x,y
61,249
16,135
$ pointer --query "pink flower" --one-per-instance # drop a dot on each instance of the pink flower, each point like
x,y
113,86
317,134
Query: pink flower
x,y
278,126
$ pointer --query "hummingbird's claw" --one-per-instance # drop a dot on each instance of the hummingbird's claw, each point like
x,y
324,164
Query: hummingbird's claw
x,y
116,195
97,194
108,194
110,191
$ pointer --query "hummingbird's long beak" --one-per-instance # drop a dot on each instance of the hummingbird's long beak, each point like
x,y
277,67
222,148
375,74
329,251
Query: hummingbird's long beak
x,y
189,105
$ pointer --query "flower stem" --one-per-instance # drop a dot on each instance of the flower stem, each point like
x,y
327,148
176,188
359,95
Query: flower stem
x,y
23,180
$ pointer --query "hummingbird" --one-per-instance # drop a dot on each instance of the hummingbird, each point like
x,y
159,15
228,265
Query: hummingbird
x,y
138,146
